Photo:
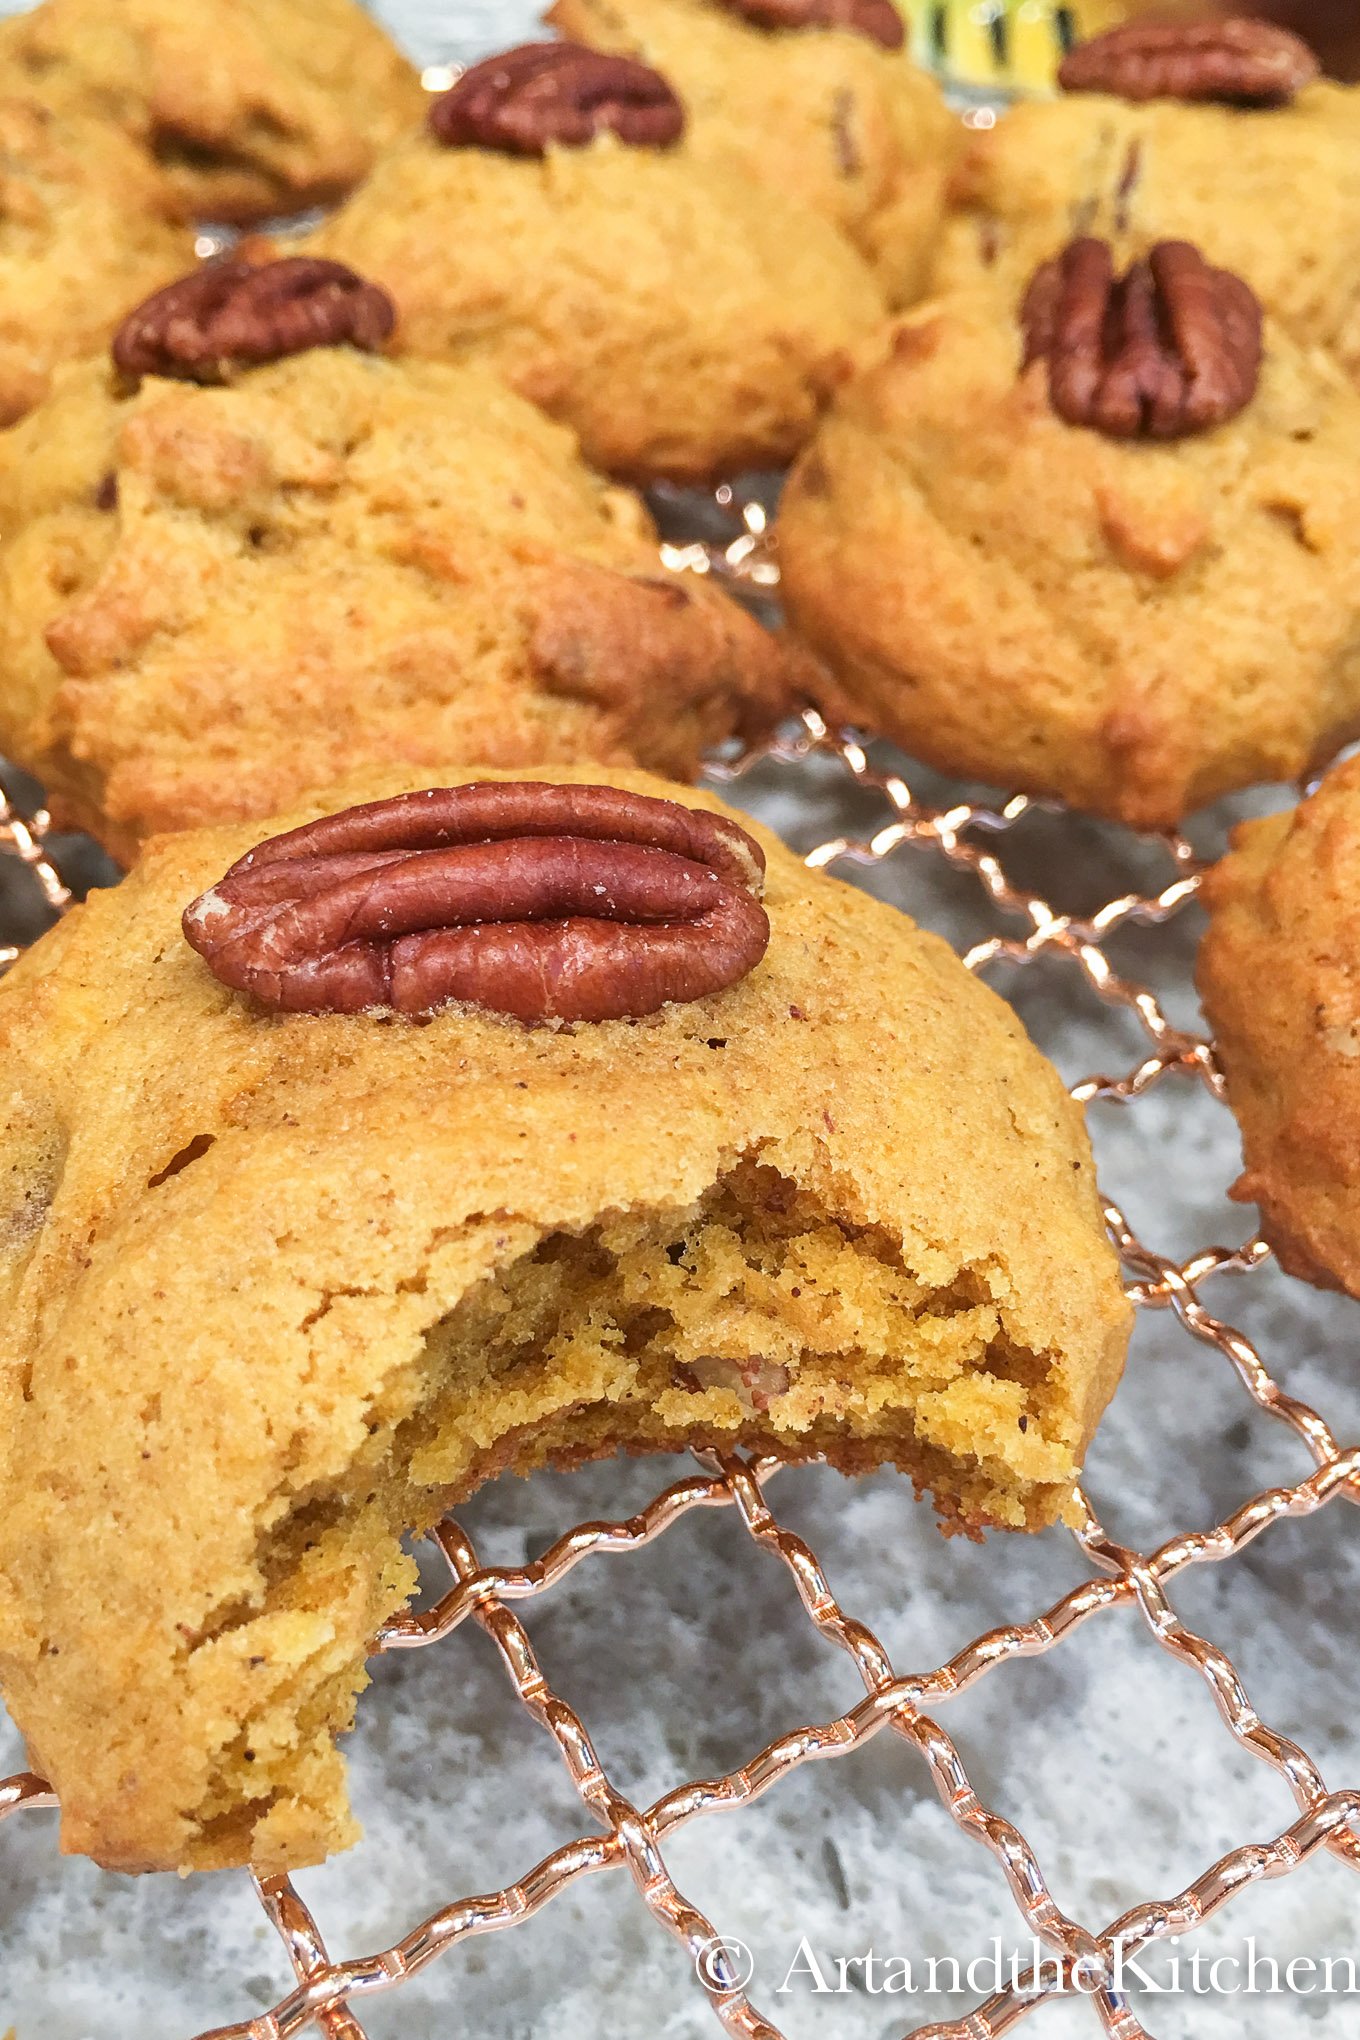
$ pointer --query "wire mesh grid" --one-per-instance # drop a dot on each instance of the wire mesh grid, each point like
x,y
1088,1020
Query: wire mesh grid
x,y
331,1990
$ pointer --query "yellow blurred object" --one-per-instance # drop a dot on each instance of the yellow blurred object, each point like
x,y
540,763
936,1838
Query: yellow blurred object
x,y
1005,45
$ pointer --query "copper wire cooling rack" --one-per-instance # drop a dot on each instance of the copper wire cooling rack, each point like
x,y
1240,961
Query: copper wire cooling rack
x,y
332,1989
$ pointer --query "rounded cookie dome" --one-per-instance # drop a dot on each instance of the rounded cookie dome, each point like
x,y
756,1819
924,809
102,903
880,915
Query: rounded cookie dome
x,y
1135,624
280,1287
243,109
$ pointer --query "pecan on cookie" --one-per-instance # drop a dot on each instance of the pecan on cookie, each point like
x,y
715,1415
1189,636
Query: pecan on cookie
x,y
540,228
1171,348
540,901
556,92
1233,62
877,19
235,312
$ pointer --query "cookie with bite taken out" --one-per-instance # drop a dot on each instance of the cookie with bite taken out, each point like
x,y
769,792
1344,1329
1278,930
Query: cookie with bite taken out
x,y
482,1126
250,547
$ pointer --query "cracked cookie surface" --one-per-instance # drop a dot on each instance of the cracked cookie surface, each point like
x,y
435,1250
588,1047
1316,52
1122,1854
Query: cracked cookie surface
x,y
217,597
853,131
275,1289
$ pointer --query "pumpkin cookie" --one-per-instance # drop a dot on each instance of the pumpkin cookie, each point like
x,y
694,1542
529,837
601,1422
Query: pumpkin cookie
x,y
1093,546
277,1287
82,237
249,108
215,596
680,318
1270,191
1277,975
822,105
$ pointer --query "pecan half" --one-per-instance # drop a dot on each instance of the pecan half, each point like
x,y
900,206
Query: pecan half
x,y
1171,348
1234,62
233,312
544,902
877,19
556,92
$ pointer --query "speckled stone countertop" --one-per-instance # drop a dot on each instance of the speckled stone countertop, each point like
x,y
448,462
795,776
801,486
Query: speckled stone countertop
x,y
686,1660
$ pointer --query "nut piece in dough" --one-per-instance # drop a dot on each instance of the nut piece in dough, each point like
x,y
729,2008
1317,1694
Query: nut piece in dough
x,y
1134,626
556,93
878,20
548,903
1170,348
213,598
282,1287
248,108
1235,62
235,313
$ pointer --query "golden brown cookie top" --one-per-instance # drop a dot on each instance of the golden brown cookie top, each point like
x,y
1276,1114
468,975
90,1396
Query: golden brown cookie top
x,y
1277,973
1223,177
58,155
683,320
248,108
814,109
218,595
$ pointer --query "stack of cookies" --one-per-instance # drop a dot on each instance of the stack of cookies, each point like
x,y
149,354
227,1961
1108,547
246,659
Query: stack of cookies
x,y
448,1089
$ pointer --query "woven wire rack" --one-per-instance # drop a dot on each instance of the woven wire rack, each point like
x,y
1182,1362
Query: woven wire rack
x,y
331,1990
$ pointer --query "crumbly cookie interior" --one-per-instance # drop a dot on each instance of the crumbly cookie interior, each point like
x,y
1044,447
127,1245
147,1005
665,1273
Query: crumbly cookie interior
x,y
752,1318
